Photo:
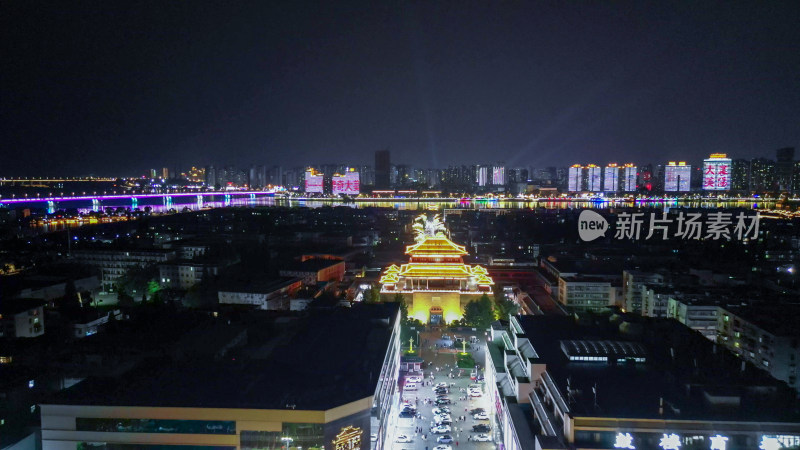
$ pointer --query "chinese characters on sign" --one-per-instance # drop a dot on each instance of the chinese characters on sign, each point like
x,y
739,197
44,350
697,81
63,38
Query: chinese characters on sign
x,y
717,173
348,439
716,226
624,441
670,442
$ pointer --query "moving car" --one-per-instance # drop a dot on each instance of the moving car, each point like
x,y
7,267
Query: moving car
x,y
403,438
441,429
446,439
442,447
442,401
482,438
481,416
475,393
481,428
441,410
477,411
410,386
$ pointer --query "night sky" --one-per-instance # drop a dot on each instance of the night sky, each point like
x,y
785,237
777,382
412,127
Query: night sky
x,y
114,88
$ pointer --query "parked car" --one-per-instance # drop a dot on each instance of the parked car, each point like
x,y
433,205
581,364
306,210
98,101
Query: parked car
x,y
481,416
446,439
481,438
443,401
441,410
403,438
477,411
441,429
481,428
442,447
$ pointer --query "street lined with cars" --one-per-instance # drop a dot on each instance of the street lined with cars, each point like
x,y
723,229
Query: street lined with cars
x,y
445,403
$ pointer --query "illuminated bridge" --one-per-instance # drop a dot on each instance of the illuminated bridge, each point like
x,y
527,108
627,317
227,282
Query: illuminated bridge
x,y
133,199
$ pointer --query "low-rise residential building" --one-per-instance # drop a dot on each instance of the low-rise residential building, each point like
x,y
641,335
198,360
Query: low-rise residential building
x,y
264,294
766,336
586,293
697,314
314,270
21,318
183,274
655,300
634,289
113,264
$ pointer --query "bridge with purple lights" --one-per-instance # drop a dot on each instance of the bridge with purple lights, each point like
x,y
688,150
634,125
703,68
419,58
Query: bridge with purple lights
x,y
134,198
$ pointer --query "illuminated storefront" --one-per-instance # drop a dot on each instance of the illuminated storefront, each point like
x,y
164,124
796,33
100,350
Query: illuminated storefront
x,y
436,284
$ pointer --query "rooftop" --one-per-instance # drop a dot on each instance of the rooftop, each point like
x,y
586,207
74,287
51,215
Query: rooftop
x,y
342,355
681,368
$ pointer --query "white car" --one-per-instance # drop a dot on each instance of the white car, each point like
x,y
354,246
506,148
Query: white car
x,y
403,438
440,385
414,378
442,418
440,429
442,447
473,393
482,438
481,416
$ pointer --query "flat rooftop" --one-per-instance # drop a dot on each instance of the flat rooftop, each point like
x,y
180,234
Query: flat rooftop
x,y
318,362
682,367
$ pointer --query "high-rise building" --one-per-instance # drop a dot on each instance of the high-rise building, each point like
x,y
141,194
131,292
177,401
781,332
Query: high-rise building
x,y
275,176
165,173
717,172
629,178
347,183
211,177
196,175
740,175
677,177
313,181
611,178
499,175
762,175
784,168
482,177
382,169
593,178
574,181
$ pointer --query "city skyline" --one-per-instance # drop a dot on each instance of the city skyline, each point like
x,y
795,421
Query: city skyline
x,y
104,91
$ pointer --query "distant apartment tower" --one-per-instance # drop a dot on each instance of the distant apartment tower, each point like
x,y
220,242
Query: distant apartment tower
x,y
593,178
574,178
383,167
314,181
211,176
499,175
629,175
740,175
482,176
347,183
677,177
784,168
762,175
611,178
717,172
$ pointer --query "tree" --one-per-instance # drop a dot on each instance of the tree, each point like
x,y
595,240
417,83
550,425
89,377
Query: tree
x,y
505,307
479,313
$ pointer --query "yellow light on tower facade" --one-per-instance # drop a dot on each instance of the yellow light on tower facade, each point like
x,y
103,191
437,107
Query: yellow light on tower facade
x,y
435,283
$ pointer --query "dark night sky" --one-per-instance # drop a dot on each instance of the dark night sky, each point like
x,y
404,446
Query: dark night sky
x,y
88,87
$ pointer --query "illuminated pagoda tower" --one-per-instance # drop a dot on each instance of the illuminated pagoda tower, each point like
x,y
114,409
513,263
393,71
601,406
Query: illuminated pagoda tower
x,y
436,284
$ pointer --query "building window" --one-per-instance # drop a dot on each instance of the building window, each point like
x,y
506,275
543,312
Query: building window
x,y
156,426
